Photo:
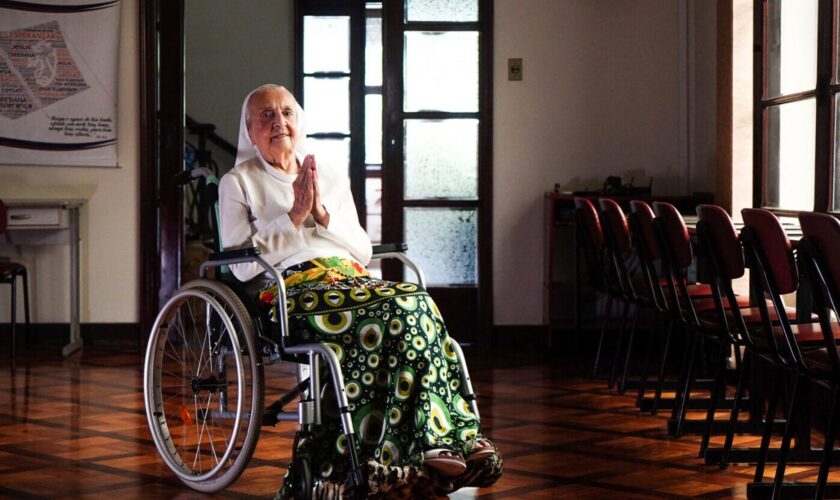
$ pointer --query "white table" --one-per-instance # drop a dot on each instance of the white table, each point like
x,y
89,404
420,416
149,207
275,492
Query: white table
x,y
51,222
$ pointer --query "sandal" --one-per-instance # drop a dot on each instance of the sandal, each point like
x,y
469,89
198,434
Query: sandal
x,y
483,449
446,462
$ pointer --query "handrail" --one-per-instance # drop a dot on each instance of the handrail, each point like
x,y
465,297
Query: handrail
x,y
208,130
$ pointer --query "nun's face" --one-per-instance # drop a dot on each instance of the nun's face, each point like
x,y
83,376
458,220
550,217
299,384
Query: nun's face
x,y
273,126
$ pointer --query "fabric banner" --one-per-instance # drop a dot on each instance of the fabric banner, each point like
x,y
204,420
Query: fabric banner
x,y
58,82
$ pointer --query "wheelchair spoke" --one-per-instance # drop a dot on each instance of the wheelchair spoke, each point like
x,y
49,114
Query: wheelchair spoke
x,y
200,394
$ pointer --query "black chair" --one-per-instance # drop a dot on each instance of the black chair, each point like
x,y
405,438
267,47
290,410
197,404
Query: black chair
x,y
591,240
9,274
821,237
804,350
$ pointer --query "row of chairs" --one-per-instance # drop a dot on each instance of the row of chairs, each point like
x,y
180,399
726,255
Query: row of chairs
x,y
756,336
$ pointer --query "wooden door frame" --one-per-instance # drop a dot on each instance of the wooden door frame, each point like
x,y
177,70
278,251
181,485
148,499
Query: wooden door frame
x,y
161,200
392,178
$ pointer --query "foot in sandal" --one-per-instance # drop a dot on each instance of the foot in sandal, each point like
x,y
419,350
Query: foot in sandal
x,y
445,462
483,448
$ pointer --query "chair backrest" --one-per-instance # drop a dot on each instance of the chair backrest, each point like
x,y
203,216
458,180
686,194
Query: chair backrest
x,y
778,251
590,222
771,256
4,217
675,234
823,231
718,233
646,240
820,238
723,256
616,225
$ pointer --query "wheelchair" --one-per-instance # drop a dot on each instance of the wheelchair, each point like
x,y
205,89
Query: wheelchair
x,y
203,372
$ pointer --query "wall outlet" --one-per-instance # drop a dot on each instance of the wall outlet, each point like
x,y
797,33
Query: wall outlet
x,y
515,69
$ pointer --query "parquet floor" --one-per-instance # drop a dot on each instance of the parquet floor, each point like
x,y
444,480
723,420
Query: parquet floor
x,y
75,428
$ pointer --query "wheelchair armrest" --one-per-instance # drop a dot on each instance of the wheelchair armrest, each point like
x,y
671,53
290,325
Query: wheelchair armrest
x,y
397,251
235,254
389,248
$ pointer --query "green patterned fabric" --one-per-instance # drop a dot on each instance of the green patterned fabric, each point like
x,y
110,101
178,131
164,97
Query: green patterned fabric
x,y
401,374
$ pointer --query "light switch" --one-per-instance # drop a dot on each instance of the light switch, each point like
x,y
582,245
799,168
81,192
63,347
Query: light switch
x,y
515,69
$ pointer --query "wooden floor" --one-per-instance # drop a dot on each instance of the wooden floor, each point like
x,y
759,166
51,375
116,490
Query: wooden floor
x,y
75,428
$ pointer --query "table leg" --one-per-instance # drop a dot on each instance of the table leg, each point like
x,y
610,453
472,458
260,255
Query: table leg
x,y
75,330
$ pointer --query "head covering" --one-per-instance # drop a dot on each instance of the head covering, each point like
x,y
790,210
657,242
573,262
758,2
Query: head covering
x,y
246,148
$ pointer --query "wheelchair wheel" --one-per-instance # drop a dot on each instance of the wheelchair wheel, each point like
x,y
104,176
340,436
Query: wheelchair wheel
x,y
203,385
303,478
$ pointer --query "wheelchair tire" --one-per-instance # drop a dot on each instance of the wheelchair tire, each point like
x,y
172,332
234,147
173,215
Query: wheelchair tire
x,y
303,478
203,387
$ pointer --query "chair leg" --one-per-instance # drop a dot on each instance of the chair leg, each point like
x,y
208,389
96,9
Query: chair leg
x,y
660,380
768,427
828,447
646,363
623,383
718,390
607,309
783,451
733,417
14,312
617,355
26,330
680,409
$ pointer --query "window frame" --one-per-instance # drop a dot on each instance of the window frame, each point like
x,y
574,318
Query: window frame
x,y
356,12
823,93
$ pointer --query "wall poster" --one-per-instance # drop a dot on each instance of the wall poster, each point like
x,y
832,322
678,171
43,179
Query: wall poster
x,y
58,82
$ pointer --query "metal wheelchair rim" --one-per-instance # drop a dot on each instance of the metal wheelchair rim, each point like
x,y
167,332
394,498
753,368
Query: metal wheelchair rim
x,y
157,424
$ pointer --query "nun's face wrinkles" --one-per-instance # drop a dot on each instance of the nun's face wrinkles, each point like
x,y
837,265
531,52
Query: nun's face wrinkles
x,y
273,124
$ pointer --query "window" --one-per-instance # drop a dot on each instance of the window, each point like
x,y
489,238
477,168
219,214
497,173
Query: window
x,y
796,108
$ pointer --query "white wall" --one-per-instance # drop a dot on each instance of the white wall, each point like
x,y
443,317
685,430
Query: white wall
x,y
605,92
109,219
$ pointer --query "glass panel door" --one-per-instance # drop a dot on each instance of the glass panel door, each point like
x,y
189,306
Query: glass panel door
x,y
436,172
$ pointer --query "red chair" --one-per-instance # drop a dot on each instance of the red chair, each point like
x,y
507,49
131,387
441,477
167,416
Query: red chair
x,y
649,250
800,349
821,238
591,240
677,257
9,274
741,325
632,287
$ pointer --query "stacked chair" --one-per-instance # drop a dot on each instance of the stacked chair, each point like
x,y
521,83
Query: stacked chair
x,y
697,313
807,351
765,342
620,250
821,238
590,238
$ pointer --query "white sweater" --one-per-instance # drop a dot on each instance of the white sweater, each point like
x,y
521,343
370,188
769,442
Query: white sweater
x,y
254,204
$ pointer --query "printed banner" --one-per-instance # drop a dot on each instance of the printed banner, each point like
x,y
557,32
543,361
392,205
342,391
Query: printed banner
x,y
58,82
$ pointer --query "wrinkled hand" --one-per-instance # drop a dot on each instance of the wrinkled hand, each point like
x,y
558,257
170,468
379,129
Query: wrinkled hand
x,y
304,192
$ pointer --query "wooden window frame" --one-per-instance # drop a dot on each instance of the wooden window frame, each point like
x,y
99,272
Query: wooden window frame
x,y
824,93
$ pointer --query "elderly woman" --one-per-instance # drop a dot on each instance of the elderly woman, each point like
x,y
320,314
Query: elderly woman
x,y
402,379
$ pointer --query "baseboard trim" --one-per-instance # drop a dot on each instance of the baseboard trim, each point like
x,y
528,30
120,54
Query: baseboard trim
x,y
55,335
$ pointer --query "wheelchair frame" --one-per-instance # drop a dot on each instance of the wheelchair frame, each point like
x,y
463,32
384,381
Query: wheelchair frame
x,y
231,332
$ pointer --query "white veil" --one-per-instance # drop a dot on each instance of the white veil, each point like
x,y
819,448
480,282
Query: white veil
x,y
246,149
